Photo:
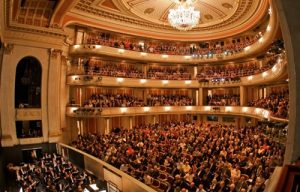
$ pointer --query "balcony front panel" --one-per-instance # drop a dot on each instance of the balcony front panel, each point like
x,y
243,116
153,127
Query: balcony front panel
x,y
25,114
133,111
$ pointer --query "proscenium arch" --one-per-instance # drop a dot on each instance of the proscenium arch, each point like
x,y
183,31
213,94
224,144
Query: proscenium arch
x,y
28,81
289,20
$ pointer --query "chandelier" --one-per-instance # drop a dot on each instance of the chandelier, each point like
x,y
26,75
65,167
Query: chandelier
x,y
184,17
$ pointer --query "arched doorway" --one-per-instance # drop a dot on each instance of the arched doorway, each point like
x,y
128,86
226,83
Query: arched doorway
x,y
28,83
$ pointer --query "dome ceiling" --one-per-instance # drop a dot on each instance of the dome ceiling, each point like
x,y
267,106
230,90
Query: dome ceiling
x,y
148,18
156,11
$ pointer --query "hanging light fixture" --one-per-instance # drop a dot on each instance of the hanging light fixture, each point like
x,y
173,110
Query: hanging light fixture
x,y
184,17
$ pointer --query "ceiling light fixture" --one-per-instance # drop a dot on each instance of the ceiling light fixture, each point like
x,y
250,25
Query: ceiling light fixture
x,y
184,17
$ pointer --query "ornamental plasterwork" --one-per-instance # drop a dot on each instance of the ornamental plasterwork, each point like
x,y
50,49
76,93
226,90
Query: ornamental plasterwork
x,y
31,38
8,48
14,25
243,8
54,53
28,114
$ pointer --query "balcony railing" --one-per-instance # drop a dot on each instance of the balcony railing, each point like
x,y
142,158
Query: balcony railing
x,y
132,111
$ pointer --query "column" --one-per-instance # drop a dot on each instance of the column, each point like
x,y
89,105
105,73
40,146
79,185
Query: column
x,y
7,98
200,96
145,69
243,95
64,92
145,94
82,93
195,71
53,96
130,122
107,126
154,119
268,90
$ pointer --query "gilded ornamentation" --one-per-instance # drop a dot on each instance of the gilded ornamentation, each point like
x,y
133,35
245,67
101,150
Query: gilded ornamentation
x,y
227,5
208,16
28,114
54,53
8,48
149,10
244,7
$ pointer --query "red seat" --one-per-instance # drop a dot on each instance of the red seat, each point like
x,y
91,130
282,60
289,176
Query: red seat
x,y
155,183
163,186
162,176
170,179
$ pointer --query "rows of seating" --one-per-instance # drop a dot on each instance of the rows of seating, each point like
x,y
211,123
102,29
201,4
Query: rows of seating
x,y
205,73
232,71
98,101
190,155
169,100
223,100
168,73
173,48
95,67
277,102
112,100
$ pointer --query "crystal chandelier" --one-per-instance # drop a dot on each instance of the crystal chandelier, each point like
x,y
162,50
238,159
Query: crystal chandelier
x,y
184,17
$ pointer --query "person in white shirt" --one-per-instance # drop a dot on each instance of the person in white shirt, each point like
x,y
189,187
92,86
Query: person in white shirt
x,y
200,188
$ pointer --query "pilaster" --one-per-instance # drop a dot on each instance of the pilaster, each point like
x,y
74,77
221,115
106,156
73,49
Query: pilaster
x,y
53,99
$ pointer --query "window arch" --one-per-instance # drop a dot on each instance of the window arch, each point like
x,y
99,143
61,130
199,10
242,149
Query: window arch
x,y
28,83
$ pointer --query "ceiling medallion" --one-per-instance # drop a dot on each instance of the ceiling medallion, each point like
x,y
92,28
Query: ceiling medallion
x,y
184,17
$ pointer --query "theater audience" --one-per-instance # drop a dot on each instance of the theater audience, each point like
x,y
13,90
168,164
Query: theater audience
x,y
96,67
188,154
173,48
126,100
226,72
219,73
112,100
168,73
51,173
223,100
168,100
277,102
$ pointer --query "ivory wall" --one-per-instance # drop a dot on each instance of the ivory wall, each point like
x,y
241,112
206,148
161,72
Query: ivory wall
x,y
50,60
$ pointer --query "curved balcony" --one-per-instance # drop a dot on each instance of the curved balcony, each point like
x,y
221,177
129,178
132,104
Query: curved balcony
x,y
261,44
209,110
275,73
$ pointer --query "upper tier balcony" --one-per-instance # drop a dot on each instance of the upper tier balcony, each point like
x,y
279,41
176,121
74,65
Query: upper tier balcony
x,y
213,55
278,71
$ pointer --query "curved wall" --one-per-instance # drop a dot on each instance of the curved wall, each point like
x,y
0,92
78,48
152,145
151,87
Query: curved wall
x,y
289,13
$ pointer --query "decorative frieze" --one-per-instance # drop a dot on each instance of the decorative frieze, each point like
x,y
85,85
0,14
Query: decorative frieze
x,y
28,114
54,53
8,48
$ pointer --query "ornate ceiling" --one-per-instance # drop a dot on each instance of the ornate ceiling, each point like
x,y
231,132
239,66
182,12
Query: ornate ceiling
x,y
148,18
156,11
219,18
